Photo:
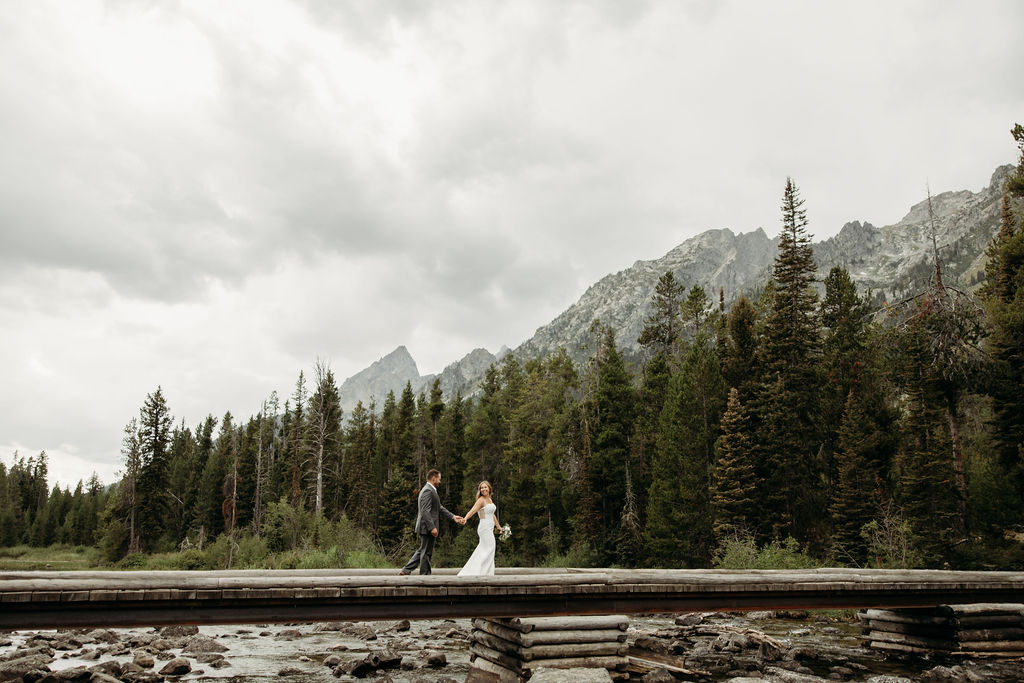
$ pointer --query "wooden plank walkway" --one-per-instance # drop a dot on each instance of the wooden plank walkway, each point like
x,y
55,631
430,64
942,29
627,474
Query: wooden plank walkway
x,y
96,598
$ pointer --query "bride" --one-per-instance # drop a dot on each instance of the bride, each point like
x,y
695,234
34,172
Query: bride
x,y
481,562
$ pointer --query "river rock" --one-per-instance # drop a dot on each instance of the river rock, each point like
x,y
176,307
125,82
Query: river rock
x,y
331,661
179,631
579,675
142,677
288,634
783,676
66,644
291,671
692,619
946,674
408,664
90,655
17,668
403,625
111,668
731,642
889,679
198,644
99,677
37,651
78,674
656,676
145,660
436,660
340,647
178,666
161,644
102,635
760,615
801,653
387,659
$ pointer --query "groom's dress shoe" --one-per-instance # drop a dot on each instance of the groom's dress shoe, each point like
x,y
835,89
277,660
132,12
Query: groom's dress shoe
x,y
403,573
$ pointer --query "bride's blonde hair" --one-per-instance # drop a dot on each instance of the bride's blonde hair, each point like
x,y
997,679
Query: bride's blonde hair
x,y
480,485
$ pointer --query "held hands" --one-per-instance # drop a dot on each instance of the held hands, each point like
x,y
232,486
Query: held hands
x,y
459,519
433,532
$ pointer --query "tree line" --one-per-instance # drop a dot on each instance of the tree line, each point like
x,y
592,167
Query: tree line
x,y
874,436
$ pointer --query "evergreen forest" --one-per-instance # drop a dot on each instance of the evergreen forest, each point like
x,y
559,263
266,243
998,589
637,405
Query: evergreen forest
x,y
802,419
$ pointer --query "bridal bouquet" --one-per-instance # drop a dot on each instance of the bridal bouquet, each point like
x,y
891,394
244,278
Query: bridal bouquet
x,y
506,533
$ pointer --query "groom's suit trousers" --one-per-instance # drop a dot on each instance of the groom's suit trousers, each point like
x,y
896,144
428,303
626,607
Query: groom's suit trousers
x,y
421,557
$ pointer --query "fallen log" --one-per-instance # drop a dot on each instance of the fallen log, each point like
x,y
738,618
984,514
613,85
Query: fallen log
x,y
570,650
904,616
616,663
495,657
504,675
549,637
529,624
909,639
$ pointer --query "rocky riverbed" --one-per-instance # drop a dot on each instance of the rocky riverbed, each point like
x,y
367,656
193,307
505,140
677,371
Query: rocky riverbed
x,y
791,647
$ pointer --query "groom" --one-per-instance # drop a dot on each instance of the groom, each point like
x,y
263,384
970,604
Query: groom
x,y
426,524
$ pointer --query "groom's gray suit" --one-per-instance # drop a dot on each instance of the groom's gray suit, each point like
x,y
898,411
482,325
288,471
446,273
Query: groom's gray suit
x,y
427,520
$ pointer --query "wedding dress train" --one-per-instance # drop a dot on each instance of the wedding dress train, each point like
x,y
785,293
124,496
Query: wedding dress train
x,y
481,562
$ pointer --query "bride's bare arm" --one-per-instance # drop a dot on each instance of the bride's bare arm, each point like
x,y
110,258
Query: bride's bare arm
x,y
497,527
476,506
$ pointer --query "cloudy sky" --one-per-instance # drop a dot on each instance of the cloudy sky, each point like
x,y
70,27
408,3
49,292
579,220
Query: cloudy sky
x,y
208,196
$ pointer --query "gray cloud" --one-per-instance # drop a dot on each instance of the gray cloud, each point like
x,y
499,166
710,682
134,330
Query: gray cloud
x,y
211,196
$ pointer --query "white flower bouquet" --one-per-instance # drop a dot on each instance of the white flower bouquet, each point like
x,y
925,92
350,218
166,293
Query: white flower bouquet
x,y
506,533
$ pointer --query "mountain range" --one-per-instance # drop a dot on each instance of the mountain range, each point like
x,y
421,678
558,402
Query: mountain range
x,y
891,262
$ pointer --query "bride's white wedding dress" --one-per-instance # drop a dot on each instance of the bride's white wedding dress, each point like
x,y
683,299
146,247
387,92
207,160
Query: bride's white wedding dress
x,y
481,562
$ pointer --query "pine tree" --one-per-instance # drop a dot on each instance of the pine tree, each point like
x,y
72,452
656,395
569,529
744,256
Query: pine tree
x,y
662,326
155,425
856,495
739,358
324,434
787,407
1003,294
733,499
613,407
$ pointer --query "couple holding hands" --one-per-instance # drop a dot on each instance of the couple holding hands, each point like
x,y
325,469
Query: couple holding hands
x,y
481,562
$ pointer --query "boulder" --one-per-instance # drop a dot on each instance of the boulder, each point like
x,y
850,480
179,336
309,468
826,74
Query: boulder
x,y
657,676
179,631
208,657
90,655
17,668
291,671
178,666
580,675
403,625
691,619
142,677
98,677
331,661
386,659
102,635
110,668
731,642
436,660
947,674
288,634
144,660
164,644
36,651
78,674
198,644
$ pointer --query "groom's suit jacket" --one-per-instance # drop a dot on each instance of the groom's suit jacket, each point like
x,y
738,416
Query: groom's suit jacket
x,y
430,510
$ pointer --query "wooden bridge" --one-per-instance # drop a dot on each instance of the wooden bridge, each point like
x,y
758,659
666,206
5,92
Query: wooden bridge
x,y
151,598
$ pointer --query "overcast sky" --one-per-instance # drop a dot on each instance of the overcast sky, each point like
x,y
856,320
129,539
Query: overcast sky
x,y
208,196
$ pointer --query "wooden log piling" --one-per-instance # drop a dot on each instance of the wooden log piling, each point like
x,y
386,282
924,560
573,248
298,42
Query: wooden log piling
x,y
984,629
516,647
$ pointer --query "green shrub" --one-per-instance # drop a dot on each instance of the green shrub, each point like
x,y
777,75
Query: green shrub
x,y
740,551
133,561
